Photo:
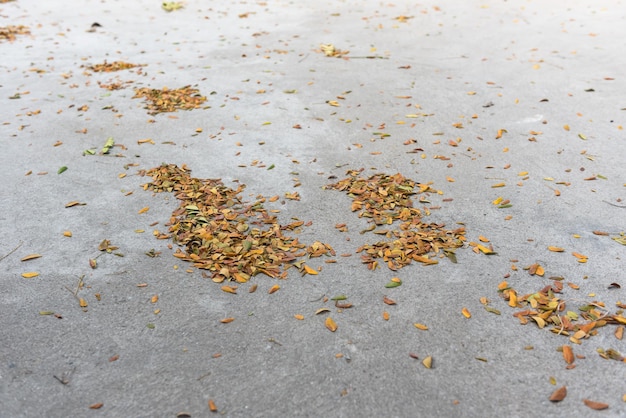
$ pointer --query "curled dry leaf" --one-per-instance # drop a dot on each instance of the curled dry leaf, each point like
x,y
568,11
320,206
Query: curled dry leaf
x,y
227,320
273,289
559,394
30,257
598,406
388,301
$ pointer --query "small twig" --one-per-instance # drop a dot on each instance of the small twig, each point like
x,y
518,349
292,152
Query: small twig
x,y
612,204
13,250
369,57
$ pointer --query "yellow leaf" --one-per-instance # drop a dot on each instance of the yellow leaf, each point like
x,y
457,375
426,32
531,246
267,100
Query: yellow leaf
x,y
154,299
31,257
540,271
212,406
330,324
82,302
421,326
334,103
498,185
497,201
30,275
483,239
466,313
143,210
512,298
555,249
299,317
310,270
67,234
428,362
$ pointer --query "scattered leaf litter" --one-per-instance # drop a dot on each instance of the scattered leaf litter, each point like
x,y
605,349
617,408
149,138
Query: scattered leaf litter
x,y
170,100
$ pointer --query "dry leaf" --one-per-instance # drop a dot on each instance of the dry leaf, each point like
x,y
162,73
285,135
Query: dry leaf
x,y
310,270
598,406
428,362
568,354
82,302
466,313
230,289
30,257
227,320
386,315
30,274
212,406
559,394
388,301
154,299
299,317
330,324
96,405
144,210
556,249
421,326
273,289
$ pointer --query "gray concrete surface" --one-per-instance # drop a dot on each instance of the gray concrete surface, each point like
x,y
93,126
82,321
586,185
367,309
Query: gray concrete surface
x,y
516,65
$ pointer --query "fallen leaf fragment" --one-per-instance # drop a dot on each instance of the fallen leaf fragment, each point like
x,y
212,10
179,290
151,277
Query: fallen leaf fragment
x,y
428,362
598,406
212,406
466,313
230,289
299,317
421,326
96,405
559,394
273,289
330,324
568,354
388,301
30,257
386,315
555,249
227,320
310,270
30,274
143,210
82,302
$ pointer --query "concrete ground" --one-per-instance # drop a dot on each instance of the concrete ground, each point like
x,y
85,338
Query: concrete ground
x,y
526,95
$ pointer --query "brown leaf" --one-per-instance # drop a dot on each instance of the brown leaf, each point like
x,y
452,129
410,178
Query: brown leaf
x,y
388,301
273,289
230,289
559,394
598,406
30,257
96,405
227,320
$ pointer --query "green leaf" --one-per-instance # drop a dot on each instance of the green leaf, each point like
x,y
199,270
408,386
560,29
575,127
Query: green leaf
x,y
151,326
62,169
91,151
339,297
492,310
110,142
392,284
451,256
271,166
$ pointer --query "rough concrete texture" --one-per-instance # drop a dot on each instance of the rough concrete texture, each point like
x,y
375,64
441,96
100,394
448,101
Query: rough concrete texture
x,y
465,69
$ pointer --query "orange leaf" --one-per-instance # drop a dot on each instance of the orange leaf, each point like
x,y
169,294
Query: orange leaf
x,y
555,249
144,210
229,289
386,316
82,302
154,299
559,394
568,354
421,326
30,274
273,289
227,320
330,324
483,239
299,317
310,270
96,405
212,406
466,313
